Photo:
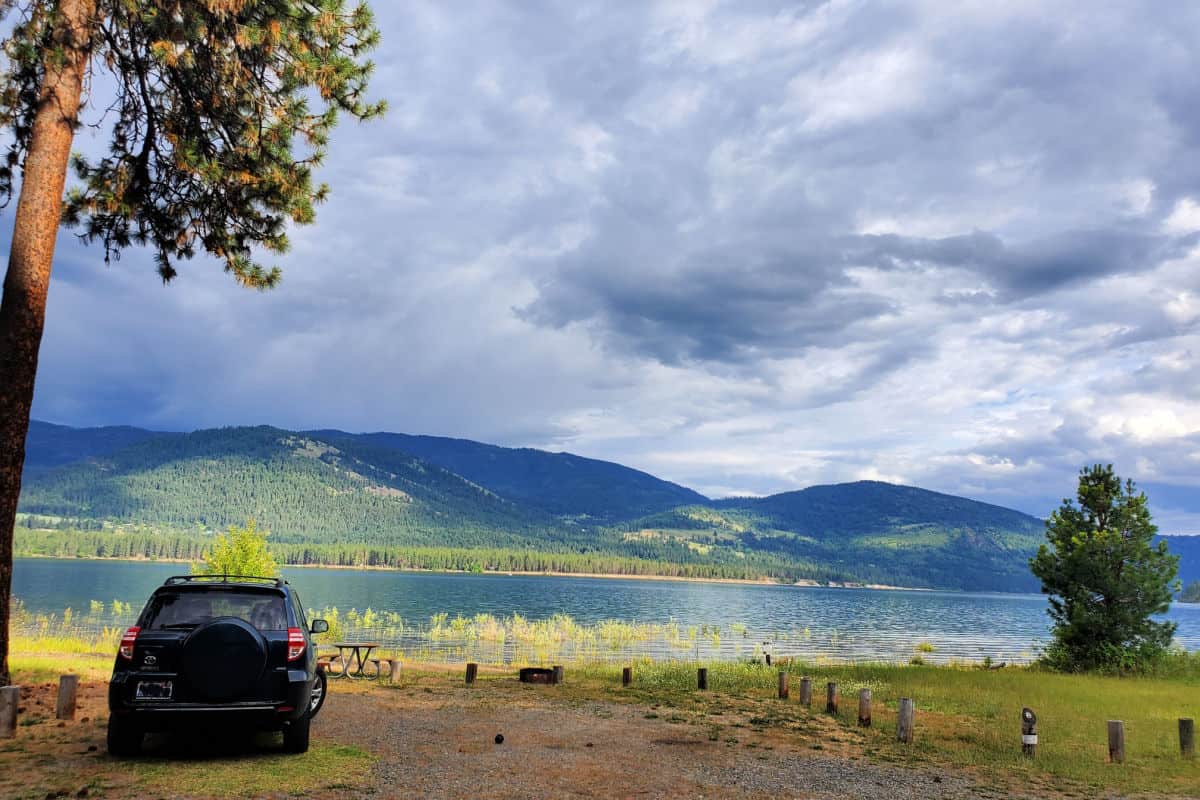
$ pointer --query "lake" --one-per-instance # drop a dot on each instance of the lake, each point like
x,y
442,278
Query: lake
x,y
707,620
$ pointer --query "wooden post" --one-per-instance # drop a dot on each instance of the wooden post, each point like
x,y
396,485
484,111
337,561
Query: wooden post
x,y
783,685
1187,738
702,679
1028,732
831,698
472,670
558,674
904,721
806,691
393,670
65,707
626,676
1116,741
864,708
10,696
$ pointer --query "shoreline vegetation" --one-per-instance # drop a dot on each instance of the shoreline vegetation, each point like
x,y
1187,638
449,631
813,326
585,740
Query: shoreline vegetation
x,y
96,627
761,581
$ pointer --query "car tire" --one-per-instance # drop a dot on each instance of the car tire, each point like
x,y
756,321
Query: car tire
x,y
222,660
124,736
295,735
317,695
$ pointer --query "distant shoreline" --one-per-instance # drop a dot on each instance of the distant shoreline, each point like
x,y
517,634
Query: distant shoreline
x,y
803,583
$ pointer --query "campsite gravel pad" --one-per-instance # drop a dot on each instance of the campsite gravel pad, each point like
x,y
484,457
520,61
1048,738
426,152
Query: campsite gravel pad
x,y
441,744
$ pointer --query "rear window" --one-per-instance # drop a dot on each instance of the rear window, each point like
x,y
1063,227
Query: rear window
x,y
179,610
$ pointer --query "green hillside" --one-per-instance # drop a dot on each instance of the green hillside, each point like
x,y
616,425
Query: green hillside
x,y
301,489
338,498
879,532
558,483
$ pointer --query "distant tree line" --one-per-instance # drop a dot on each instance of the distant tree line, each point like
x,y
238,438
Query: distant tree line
x,y
191,547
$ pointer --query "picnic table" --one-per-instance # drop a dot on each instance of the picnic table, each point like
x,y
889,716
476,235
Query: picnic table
x,y
356,655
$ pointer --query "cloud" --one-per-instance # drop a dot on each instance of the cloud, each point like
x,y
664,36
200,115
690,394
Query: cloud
x,y
748,247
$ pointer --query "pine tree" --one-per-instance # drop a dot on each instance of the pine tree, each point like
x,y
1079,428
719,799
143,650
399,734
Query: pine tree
x,y
221,110
1105,577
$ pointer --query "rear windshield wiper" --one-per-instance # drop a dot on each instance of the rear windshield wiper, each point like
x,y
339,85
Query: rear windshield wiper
x,y
178,626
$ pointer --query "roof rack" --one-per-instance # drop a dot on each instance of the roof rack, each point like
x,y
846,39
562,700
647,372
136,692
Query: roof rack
x,y
175,580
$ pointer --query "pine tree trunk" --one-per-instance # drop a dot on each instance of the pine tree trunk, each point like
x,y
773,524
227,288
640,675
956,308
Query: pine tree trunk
x,y
35,227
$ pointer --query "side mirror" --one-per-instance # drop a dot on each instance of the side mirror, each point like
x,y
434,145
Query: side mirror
x,y
319,626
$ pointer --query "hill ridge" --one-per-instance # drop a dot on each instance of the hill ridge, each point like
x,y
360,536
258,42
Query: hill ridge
x,y
335,497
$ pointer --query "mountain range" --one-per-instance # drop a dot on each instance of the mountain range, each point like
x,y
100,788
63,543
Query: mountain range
x,y
393,499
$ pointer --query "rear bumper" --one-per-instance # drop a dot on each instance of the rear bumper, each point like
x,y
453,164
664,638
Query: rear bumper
x,y
162,714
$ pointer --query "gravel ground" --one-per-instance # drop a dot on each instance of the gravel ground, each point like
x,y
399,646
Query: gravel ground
x,y
441,745
817,777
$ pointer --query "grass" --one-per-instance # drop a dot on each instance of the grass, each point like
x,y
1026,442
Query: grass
x,y
323,766
41,665
966,717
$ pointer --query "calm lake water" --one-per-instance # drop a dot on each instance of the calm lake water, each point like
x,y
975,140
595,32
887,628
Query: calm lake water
x,y
840,624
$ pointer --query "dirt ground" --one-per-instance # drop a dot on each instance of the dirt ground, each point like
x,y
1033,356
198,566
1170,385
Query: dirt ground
x,y
429,736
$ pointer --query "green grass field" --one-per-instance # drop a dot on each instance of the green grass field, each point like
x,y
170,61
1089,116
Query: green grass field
x,y
966,716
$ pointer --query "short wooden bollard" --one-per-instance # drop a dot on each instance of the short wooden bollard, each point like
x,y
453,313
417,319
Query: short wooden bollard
x,y
64,708
558,674
904,721
1028,732
806,691
702,679
831,698
1187,738
626,676
10,696
783,685
472,671
864,708
393,670
1116,741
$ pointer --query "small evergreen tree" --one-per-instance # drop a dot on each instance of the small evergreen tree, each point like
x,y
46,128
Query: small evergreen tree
x,y
242,551
1105,577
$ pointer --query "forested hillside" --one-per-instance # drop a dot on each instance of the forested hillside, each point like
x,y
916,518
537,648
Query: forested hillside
x,y
559,483
299,488
336,498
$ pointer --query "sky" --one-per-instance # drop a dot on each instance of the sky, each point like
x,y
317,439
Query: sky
x,y
747,247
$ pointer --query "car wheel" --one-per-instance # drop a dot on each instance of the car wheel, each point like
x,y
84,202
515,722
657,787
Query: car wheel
x,y
295,735
318,693
124,736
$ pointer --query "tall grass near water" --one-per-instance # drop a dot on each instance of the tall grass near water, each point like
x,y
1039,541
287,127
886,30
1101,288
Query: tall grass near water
x,y
94,630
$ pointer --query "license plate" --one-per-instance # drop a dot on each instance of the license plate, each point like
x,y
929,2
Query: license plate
x,y
153,690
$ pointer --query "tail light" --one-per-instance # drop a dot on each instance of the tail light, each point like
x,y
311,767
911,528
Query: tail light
x,y
296,643
127,642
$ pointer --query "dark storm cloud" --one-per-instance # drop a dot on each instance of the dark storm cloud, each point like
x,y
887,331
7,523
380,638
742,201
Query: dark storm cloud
x,y
745,303
1039,266
722,305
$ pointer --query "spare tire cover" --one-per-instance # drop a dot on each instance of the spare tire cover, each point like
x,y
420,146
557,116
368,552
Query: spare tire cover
x,y
223,659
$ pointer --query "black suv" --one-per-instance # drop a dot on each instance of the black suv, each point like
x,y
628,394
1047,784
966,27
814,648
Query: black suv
x,y
217,649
